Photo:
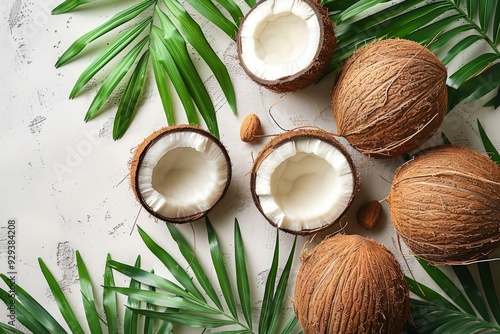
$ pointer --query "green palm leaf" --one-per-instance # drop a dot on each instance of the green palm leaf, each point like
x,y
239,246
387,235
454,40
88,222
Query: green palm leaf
x,y
116,21
87,291
35,308
162,81
195,265
130,97
220,268
61,301
113,50
164,59
242,281
490,290
267,310
4,328
131,318
193,34
214,15
176,46
114,78
173,266
68,6
488,145
109,299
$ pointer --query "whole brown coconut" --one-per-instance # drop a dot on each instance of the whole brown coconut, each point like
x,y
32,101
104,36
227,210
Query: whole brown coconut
x,y
349,284
286,45
445,205
390,97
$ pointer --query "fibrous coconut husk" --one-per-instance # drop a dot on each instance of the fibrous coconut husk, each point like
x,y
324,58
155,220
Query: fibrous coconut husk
x,y
350,284
390,97
445,205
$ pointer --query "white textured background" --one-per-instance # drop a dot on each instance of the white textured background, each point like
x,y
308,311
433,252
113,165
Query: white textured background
x,y
66,181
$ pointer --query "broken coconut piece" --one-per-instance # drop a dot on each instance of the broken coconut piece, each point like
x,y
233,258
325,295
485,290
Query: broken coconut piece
x,y
286,45
303,181
179,173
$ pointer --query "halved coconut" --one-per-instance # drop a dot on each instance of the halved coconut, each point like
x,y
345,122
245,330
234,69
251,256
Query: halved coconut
x,y
303,181
286,45
179,173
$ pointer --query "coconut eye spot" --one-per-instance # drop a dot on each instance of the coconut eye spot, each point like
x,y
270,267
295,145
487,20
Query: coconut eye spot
x,y
281,38
303,185
181,174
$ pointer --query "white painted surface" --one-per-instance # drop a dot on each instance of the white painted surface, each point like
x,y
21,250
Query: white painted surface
x,y
66,181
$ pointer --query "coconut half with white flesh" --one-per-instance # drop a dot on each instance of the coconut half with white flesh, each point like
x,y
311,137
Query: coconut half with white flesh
x,y
303,181
286,45
179,173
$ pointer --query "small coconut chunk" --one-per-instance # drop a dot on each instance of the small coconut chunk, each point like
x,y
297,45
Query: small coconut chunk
x,y
182,174
280,38
304,184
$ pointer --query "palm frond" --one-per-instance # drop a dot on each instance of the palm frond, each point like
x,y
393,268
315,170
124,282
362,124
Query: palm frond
x,y
169,55
425,22
87,291
488,145
109,300
433,313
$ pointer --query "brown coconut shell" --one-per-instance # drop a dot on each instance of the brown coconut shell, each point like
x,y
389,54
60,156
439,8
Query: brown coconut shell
x,y
320,64
445,205
147,143
390,97
349,284
296,135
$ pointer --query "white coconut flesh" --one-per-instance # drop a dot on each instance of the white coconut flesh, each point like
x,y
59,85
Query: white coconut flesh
x,y
304,184
182,174
279,38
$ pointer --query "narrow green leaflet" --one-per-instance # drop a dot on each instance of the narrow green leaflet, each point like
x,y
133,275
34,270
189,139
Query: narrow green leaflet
x,y
459,47
116,21
496,26
190,257
242,282
488,145
425,35
114,78
31,304
162,299
250,3
214,15
429,295
9,329
147,278
220,268
162,81
109,298
448,286
279,294
176,46
479,85
193,34
472,290
445,37
128,103
267,302
186,319
113,50
489,288
131,318
68,6
290,325
23,315
356,9
472,68
233,10
61,301
160,53
175,269
148,321
485,9
87,292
